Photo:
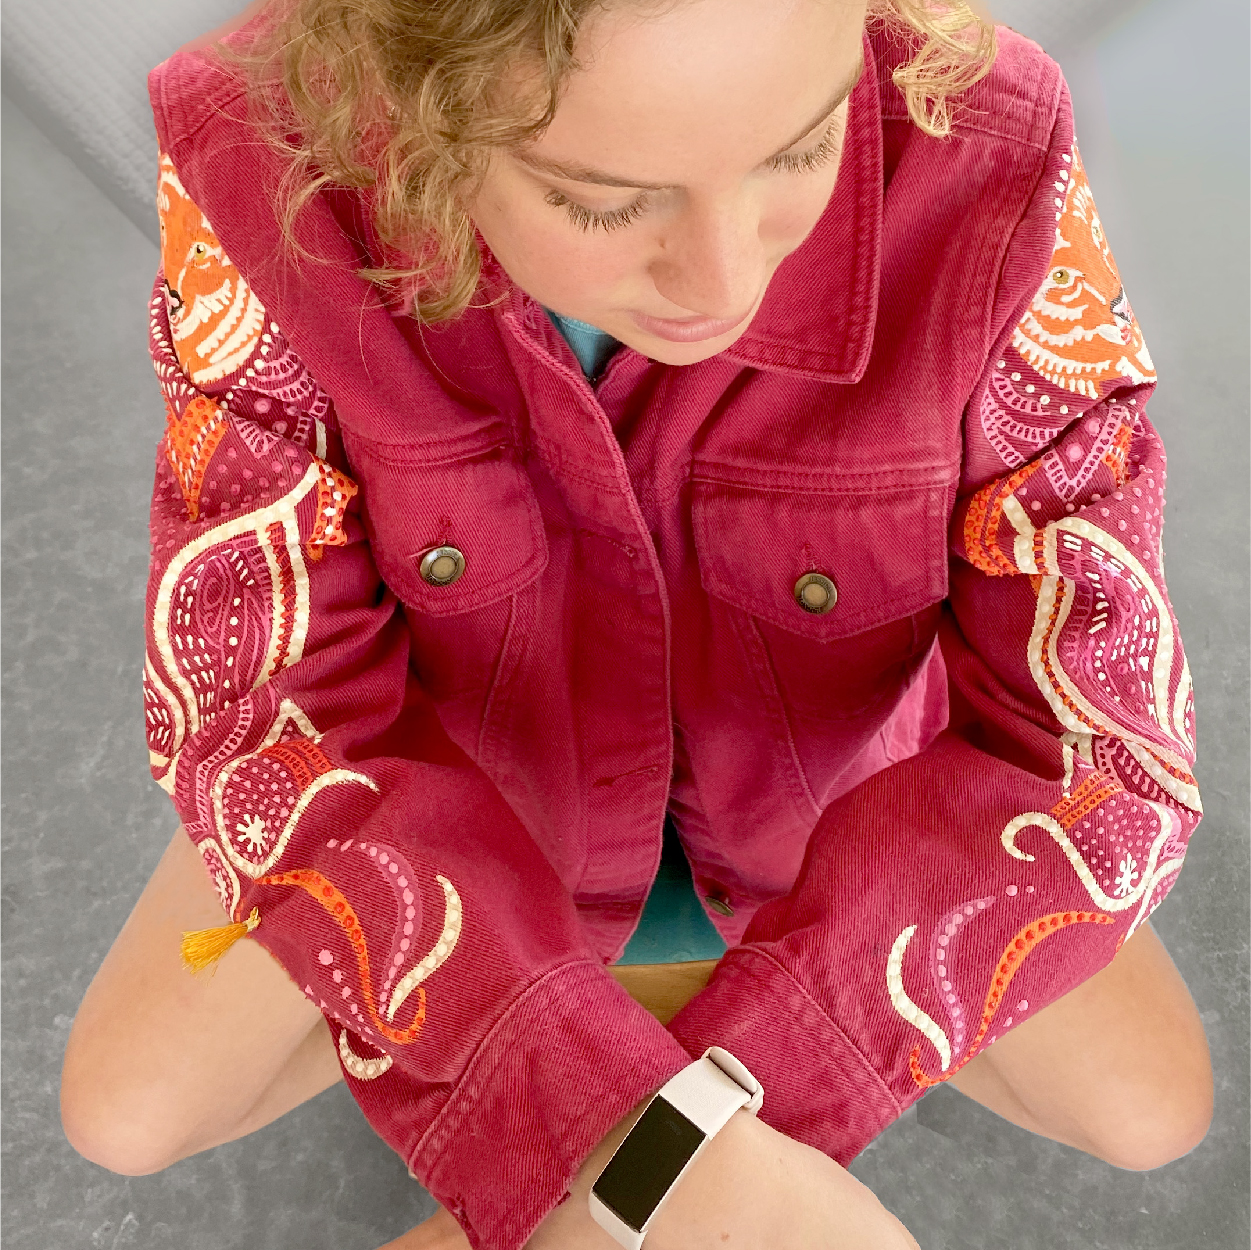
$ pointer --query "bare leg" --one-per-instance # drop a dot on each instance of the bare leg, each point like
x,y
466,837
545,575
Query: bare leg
x,y
1119,1067
147,1034
161,1064
664,989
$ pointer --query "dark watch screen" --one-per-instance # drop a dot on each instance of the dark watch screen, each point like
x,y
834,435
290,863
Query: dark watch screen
x,y
648,1162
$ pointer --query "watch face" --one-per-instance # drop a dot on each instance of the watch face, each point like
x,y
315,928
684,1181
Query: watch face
x,y
648,1162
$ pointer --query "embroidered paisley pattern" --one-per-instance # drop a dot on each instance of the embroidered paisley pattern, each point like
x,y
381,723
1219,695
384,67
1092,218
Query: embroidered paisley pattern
x,y
1078,519
246,502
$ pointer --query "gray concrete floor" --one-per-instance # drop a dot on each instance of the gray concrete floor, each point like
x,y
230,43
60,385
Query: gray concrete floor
x,y
1162,111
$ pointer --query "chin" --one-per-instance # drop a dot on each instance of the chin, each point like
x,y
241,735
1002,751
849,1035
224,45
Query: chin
x,y
681,354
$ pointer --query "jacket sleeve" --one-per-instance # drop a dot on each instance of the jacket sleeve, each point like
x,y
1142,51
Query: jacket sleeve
x,y
953,895
480,1034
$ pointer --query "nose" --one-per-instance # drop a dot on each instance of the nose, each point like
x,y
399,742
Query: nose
x,y
711,261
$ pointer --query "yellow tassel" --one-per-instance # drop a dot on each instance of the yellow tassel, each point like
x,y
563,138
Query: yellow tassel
x,y
201,947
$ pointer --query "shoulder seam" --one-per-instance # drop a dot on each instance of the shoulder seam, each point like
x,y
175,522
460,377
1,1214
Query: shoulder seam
x,y
961,128
1043,102
210,105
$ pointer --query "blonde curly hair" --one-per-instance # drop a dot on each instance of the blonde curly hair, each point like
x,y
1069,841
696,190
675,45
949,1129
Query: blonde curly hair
x,y
401,99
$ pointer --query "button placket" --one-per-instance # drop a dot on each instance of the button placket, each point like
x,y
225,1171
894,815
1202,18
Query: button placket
x,y
575,437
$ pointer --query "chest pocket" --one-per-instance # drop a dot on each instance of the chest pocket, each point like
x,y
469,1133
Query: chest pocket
x,y
481,505
480,512
879,564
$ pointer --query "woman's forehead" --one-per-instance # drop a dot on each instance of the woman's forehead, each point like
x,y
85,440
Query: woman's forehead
x,y
706,81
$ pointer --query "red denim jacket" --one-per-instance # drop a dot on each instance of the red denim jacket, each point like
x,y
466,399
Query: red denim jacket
x,y
922,813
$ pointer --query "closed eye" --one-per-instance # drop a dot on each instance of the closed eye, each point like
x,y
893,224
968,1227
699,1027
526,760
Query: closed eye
x,y
786,162
814,158
587,219
790,162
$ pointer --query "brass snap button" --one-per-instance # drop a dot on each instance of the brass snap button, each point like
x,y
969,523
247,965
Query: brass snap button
x,y
442,566
815,593
719,903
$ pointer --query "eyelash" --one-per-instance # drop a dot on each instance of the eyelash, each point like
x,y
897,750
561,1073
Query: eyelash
x,y
586,219
805,162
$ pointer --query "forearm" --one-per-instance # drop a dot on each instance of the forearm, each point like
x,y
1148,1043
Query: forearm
x,y
746,1177
752,1188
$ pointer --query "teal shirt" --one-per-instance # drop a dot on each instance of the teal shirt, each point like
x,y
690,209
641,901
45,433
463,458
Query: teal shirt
x,y
674,927
591,345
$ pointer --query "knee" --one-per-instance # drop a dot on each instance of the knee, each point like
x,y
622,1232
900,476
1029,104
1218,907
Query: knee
x,y
115,1124
1162,1125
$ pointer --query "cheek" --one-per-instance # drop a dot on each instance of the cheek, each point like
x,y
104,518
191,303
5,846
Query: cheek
x,y
791,214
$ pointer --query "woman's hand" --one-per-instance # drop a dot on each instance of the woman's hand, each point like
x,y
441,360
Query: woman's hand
x,y
752,1188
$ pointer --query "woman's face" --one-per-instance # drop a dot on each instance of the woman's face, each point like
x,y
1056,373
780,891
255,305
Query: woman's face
x,y
695,151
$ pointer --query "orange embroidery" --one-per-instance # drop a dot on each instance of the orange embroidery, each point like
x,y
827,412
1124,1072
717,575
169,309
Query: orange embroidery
x,y
190,441
1063,588
981,522
215,317
337,907
1097,787
304,759
334,491
1080,333
1117,456
1010,962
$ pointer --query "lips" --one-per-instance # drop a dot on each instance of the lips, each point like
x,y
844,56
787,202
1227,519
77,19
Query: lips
x,y
687,330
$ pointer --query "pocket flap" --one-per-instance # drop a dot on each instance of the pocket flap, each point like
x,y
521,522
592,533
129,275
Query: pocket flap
x,y
482,504
885,552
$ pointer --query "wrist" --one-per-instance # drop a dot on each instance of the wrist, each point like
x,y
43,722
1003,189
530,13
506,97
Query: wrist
x,y
570,1224
687,1123
597,1160
727,1166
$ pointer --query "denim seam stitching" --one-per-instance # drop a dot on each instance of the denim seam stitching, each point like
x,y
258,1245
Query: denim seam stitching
x,y
752,948
453,1106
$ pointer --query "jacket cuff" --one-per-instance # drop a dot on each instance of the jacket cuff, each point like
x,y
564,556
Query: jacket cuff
x,y
818,1088
507,1146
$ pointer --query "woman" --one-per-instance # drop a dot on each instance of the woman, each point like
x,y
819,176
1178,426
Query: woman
x,y
719,437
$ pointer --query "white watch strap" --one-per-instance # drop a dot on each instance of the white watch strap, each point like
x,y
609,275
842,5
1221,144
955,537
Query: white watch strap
x,y
707,1092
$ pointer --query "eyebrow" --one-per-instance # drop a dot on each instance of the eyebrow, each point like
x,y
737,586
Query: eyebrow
x,y
586,173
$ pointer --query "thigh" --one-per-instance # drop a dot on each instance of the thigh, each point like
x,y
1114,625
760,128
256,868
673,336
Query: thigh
x,y
159,1059
1118,1067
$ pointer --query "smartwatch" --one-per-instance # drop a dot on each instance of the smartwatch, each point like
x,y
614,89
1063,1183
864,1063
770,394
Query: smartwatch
x,y
675,1126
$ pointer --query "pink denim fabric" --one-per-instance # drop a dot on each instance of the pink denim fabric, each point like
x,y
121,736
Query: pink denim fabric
x,y
933,809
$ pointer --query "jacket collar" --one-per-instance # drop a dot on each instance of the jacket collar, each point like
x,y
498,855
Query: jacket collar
x,y
816,319
818,314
